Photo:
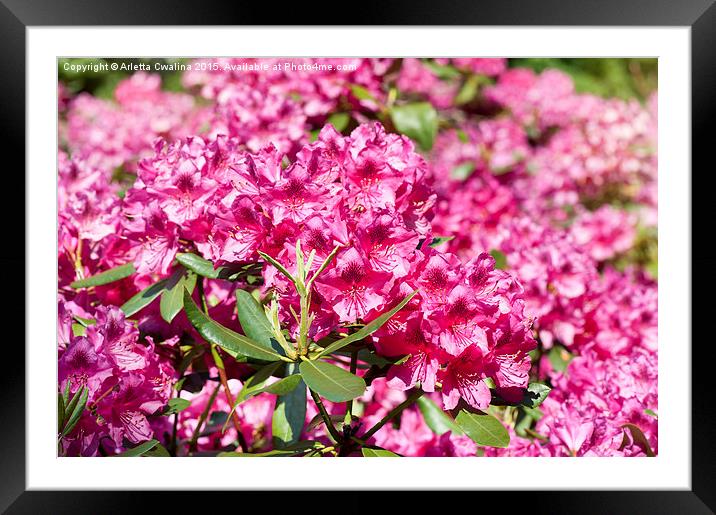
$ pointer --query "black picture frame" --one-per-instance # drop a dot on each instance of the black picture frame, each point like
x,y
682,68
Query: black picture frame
x,y
17,15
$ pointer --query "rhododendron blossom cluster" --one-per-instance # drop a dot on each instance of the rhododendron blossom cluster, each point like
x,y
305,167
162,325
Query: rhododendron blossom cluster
x,y
356,257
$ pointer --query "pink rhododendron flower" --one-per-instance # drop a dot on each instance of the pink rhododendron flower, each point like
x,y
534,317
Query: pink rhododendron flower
x,y
416,77
605,232
110,135
127,383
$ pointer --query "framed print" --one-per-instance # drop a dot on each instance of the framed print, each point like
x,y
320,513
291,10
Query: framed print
x,y
466,246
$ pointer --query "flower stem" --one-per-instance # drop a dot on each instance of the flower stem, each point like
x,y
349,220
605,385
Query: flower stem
x,y
202,297
229,397
349,405
79,269
414,396
222,373
326,417
202,419
303,332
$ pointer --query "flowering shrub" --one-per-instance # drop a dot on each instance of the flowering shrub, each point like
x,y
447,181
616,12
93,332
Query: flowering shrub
x,y
356,257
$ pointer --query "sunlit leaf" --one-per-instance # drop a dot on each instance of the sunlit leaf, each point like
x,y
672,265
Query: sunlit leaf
x,y
232,342
139,450
418,121
331,381
204,267
463,171
289,414
106,277
254,322
378,453
436,419
339,121
483,429
500,259
143,298
173,294
176,405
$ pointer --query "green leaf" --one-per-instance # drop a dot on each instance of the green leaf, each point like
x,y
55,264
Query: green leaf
x,y
173,295
651,413
361,93
525,418
159,451
331,382
443,71
66,393
257,381
462,171
639,439
500,259
253,386
254,322
139,450
143,298
106,277
257,384
372,358
60,412
176,405
233,343
439,240
217,420
78,329
436,419
559,358
193,382
535,395
483,429
339,121
86,322
292,450
289,415
204,267
282,386
500,170
367,329
318,420
70,404
468,91
75,408
418,121
268,454
378,453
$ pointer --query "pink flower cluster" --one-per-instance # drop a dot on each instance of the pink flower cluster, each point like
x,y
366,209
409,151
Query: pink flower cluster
x,y
127,381
536,197
112,134
560,213
439,85
368,194
317,86
604,233
593,408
